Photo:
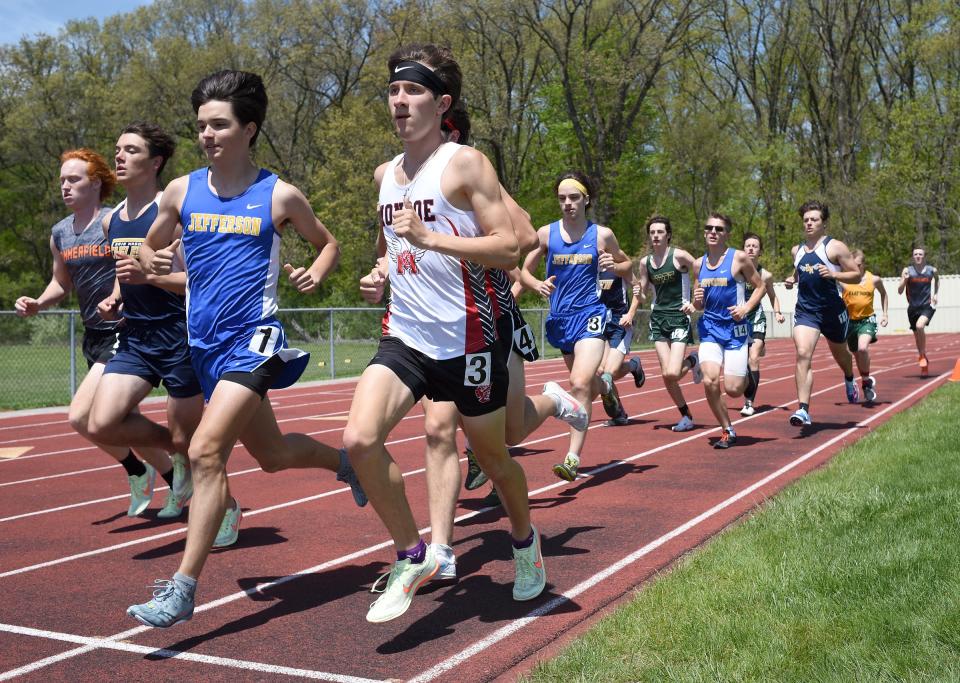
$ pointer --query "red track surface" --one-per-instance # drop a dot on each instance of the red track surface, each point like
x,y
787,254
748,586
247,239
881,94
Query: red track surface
x,y
289,599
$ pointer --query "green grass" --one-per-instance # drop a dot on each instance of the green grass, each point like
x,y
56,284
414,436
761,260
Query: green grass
x,y
850,574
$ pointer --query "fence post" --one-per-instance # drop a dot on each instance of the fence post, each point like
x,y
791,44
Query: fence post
x,y
333,358
73,356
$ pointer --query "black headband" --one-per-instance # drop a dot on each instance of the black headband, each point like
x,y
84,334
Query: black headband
x,y
415,72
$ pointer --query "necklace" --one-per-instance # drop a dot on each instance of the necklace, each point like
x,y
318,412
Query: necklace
x,y
416,174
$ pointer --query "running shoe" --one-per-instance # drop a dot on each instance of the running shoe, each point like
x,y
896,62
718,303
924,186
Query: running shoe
x,y
531,576
180,492
636,369
800,417
476,477
229,527
141,491
346,474
403,581
621,419
568,468
869,389
610,399
684,425
695,372
446,562
853,394
172,604
747,409
492,499
727,438
569,409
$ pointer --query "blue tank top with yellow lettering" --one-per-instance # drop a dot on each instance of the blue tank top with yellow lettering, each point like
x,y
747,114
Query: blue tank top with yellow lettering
x,y
575,266
231,249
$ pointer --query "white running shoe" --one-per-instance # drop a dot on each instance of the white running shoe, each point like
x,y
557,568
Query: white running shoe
x,y
747,409
695,372
684,425
403,580
447,562
869,389
531,576
569,409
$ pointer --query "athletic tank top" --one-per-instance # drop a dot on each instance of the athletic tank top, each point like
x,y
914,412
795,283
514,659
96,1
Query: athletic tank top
x,y
142,304
815,292
439,304
671,287
498,289
90,264
231,249
575,266
748,292
612,292
721,288
918,285
859,297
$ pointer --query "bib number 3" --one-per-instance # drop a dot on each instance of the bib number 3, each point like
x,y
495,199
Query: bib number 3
x,y
477,372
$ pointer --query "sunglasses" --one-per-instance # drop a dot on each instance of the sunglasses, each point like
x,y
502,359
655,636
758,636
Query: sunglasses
x,y
714,228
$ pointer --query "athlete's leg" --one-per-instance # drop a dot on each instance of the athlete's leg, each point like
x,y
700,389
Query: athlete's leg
x,y
711,362
524,413
275,451
736,370
843,357
183,418
584,383
114,420
920,334
862,355
805,339
443,467
380,401
673,368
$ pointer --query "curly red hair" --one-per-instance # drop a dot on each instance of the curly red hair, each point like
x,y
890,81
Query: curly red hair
x,y
97,169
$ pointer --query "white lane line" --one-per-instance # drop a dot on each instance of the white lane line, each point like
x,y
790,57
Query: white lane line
x,y
514,626
109,644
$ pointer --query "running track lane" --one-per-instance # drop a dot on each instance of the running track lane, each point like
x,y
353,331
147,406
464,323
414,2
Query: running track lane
x,y
635,514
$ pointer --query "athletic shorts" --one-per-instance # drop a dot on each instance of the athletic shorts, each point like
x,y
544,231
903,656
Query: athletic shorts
x,y
758,324
670,326
248,359
733,361
155,353
618,337
99,346
728,334
832,323
516,336
915,312
862,326
477,382
564,331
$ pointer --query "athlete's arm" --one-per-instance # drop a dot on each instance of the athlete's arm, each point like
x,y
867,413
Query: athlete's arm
x,y
471,184
290,206
745,268
878,285
56,290
695,287
160,248
611,255
791,279
109,308
527,278
686,264
626,319
640,289
772,294
842,257
935,288
904,274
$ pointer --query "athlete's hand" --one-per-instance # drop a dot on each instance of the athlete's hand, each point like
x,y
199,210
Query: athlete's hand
x,y
26,306
162,261
625,321
687,308
883,321
780,317
303,279
905,273
407,224
738,312
698,296
129,271
824,271
605,260
790,282
109,308
372,285
547,287
636,289
933,300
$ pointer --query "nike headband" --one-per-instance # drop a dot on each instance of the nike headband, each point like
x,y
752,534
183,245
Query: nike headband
x,y
573,183
415,72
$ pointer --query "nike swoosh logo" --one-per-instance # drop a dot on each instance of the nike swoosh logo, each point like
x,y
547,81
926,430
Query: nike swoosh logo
x,y
398,69
253,206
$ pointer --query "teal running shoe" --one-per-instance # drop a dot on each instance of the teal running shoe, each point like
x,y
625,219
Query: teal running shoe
x,y
348,476
229,527
141,491
172,604
476,477
180,492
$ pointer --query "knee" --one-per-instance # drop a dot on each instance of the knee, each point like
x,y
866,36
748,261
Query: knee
x,y
205,458
671,376
514,434
80,421
736,388
710,383
358,444
583,385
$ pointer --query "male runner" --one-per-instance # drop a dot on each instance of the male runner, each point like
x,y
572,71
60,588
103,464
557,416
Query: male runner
x,y
82,261
153,339
667,270
576,250
619,335
820,264
723,328
231,215
443,220
757,319
858,298
922,282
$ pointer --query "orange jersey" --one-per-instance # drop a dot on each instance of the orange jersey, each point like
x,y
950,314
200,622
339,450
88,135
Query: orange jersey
x,y
859,297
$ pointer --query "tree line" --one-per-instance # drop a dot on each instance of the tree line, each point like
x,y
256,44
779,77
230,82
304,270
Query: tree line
x,y
675,107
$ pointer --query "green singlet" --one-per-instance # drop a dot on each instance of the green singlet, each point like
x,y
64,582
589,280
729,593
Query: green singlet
x,y
668,283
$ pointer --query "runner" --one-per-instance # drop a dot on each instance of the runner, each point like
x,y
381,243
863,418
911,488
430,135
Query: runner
x,y
443,220
757,319
82,261
576,250
153,338
619,335
232,213
667,269
820,264
863,321
723,328
922,283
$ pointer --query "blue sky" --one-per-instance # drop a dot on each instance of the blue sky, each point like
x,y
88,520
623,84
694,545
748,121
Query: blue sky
x,y
48,16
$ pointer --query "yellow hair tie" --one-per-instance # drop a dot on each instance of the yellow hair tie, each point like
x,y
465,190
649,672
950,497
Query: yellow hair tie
x,y
575,184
